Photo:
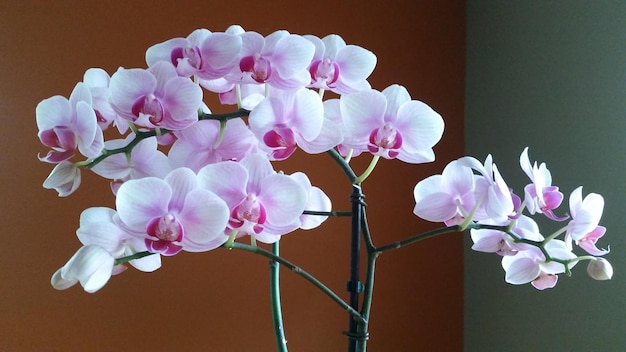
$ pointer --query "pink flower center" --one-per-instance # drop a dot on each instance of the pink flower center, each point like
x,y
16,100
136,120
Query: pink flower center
x,y
249,216
282,139
257,66
385,141
166,228
325,70
151,106
191,54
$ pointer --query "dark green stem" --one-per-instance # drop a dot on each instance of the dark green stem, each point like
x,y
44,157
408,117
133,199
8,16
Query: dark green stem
x,y
224,117
141,135
342,164
277,315
137,255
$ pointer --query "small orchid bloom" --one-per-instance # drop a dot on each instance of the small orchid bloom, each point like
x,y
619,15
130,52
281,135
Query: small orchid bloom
x,y
67,125
101,227
172,214
448,197
496,201
144,160
156,97
583,229
390,124
98,82
499,242
600,269
530,265
64,178
91,265
262,203
540,196
203,54
289,119
280,60
317,200
338,67
197,145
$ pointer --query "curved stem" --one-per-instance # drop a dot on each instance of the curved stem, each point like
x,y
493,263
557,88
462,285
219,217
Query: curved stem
x,y
342,164
368,292
298,271
277,315
367,171
224,117
416,238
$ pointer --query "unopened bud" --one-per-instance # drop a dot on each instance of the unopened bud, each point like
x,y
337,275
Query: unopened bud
x,y
600,269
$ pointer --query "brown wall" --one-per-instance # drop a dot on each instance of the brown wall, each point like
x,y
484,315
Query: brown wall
x,y
218,301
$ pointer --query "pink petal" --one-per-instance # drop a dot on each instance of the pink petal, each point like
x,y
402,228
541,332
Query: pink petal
x,y
205,217
139,201
284,199
181,181
522,271
53,112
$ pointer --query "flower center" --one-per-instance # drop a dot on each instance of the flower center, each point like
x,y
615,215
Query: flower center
x,y
190,54
325,70
166,228
282,139
257,66
385,141
248,216
151,106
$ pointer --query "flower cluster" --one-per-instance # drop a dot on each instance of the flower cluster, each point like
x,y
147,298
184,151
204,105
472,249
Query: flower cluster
x,y
474,195
187,179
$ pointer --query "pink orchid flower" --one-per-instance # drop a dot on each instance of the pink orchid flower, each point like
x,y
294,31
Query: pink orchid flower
x,y
496,200
530,265
91,265
540,196
583,229
144,160
172,214
156,97
390,124
280,60
338,67
196,146
67,125
448,197
203,54
64,178
262,203
288,119
493,241
102,227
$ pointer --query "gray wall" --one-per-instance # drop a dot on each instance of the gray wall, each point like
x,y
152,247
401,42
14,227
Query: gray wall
x,y
552,76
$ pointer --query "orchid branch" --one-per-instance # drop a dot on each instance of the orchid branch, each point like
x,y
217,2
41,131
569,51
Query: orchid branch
x,y
299,271
277,315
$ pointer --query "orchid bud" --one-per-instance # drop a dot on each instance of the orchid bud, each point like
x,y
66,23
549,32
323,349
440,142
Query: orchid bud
x,y
600,269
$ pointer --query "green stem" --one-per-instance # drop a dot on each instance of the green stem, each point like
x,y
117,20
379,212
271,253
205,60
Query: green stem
x,y
345,167
134,256
277,315
368,292
224,117
298,271
367,171
417,238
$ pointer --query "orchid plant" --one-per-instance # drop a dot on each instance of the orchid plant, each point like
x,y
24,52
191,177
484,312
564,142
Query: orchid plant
x,y
186,179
